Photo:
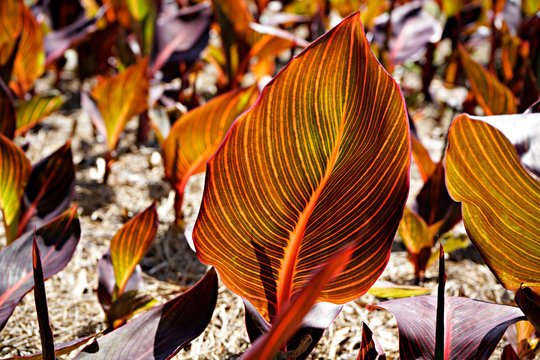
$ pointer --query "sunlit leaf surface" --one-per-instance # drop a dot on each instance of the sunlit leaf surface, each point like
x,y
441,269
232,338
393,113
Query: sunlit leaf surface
x,y
32,111
120,97
319,162
501,200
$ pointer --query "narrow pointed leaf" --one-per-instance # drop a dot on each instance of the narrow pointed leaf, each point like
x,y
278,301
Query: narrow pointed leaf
x,y
509,353
120,97
370,349
11,18
291,314
30,112
492,95
389,290
8,121
45,330
57,241
196,136
50,189
501,200
162,331
472,328
14,174
131,243
319,162
59,350
29,62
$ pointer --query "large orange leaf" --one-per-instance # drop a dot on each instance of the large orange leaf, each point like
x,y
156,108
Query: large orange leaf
x,y
15,171
11,18
320,161
30,59
501,200
196,136
120,97
131,243
492,95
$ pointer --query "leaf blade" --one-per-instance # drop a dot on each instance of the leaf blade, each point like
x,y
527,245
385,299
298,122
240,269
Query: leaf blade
x,y
279,209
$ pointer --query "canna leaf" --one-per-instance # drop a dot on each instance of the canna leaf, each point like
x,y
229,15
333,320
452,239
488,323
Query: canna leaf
x,y
472,328
196,136
128,304
492,95
290,316
59,350
529,303
29,62
417,239
370,349
107,282
422,159
14,174
11,17
162,331
50,189
45,330
120,97
319,162
57,241
501,200
131,243
8,121
30,112
389,290
58,41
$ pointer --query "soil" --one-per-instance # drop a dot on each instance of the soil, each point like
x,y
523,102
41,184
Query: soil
x,y
171,266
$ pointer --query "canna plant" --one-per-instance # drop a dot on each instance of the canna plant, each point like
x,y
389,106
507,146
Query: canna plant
x,y
320,162
500,199
120,276
32,195
463,328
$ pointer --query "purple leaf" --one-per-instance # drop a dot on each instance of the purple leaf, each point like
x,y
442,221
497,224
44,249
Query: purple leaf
x,y
57,241
162,331
370,349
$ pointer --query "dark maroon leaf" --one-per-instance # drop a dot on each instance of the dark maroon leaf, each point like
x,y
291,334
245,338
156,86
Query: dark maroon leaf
x,y
472,328
534,108
434,204
107,282
40,297
8,121
50,189
60,349
58,41
57,241
370,349
529,303
162,331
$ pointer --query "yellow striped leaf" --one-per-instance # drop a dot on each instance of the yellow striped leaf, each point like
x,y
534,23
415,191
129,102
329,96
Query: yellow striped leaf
x,y
417,239
29,62
131,243
196,136
15,171
120,97
31,112
492,95
319,162
501,200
